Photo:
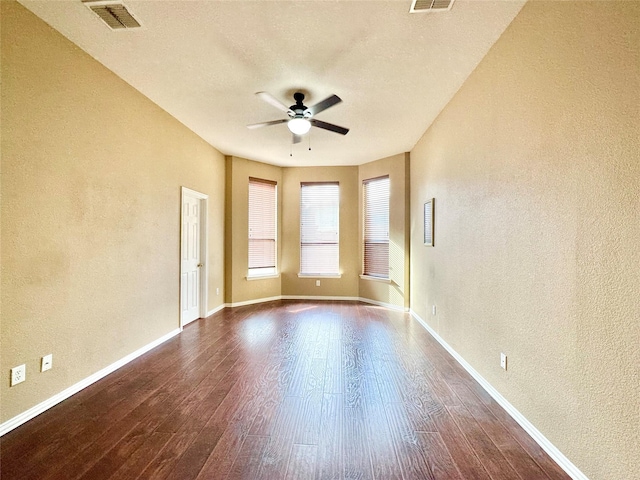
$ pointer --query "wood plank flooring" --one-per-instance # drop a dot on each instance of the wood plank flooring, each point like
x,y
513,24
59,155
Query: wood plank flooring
x,y
282,390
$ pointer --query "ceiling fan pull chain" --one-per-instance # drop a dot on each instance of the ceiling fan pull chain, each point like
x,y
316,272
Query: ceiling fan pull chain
x,y
309,141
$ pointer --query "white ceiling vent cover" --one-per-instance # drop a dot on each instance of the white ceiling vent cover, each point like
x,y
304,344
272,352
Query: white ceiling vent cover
x,y
420,6
113,13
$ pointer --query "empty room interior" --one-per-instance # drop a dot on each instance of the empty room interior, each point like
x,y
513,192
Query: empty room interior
x,y
438,277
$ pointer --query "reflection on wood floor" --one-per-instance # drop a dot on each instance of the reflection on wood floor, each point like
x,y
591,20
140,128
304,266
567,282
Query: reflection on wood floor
x,y
282,390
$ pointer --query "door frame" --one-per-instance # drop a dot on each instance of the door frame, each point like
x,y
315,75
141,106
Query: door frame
x,y
204,255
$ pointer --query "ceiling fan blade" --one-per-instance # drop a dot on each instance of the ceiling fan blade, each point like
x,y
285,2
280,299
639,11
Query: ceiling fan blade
x,y
266,124
324,104
296,138
330,126
271,100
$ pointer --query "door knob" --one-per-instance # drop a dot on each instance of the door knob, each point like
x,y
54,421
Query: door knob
x,y
200,265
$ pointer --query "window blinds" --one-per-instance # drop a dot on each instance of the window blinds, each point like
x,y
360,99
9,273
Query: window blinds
x,y
376,227
262,225
319,220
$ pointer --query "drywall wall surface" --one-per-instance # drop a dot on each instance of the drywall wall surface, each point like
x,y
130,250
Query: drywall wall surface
x,y
535,173
347,285
240,288
396,292
91,185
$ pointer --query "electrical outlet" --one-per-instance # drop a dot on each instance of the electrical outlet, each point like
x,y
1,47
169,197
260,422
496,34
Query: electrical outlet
x,y
317,283
503,361
433,310
217,291
47,363
18,374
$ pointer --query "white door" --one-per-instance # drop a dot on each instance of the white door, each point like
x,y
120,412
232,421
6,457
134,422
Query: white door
x,y
190,259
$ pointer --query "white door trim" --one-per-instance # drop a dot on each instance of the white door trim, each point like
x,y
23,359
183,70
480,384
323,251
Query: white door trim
x,y
204,256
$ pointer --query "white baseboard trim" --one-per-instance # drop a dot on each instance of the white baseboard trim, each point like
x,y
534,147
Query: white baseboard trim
x,y
346,299
319,298
308,297
390,306
352,299
217,309
59,397
540,439
251,302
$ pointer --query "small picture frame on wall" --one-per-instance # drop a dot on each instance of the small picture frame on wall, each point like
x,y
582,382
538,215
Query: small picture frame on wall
x,y
428,222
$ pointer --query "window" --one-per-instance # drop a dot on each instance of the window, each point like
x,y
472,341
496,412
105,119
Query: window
x,y
262,227
319,219
376,227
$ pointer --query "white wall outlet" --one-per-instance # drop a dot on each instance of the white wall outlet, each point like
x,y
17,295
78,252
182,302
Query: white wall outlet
x,y
317,283
47,363
18,374
503,361
217,291
433,309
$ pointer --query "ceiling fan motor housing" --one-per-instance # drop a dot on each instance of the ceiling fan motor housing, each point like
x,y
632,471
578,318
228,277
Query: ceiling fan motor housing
x,y
298,97
299,110
300,117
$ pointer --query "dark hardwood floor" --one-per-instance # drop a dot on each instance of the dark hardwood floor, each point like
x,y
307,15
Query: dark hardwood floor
x,y
282,390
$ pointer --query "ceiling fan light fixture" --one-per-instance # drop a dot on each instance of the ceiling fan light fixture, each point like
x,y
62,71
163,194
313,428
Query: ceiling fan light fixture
x,y
301,118
299,126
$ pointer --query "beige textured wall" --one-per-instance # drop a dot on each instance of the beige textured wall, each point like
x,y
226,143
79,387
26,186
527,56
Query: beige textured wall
x,y
91,178
239,289
347,286
397,292
535,169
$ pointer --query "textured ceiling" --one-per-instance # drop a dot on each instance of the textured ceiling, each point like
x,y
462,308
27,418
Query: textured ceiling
x,y
202,61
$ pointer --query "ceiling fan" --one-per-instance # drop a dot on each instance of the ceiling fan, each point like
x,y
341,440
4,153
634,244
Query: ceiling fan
x,y
301,117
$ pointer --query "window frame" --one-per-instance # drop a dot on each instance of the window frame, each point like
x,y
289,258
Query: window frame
x,y
367,272
263,271
310,274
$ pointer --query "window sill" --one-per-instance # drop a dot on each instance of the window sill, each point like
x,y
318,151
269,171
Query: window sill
x,y
312,275
262,277
375,279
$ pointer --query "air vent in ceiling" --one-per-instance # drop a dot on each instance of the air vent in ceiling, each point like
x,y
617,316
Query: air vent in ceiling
x,y
114,14
419,6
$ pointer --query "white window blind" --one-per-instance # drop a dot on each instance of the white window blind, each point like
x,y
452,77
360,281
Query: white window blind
x,y
319,220
376,227
262,226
